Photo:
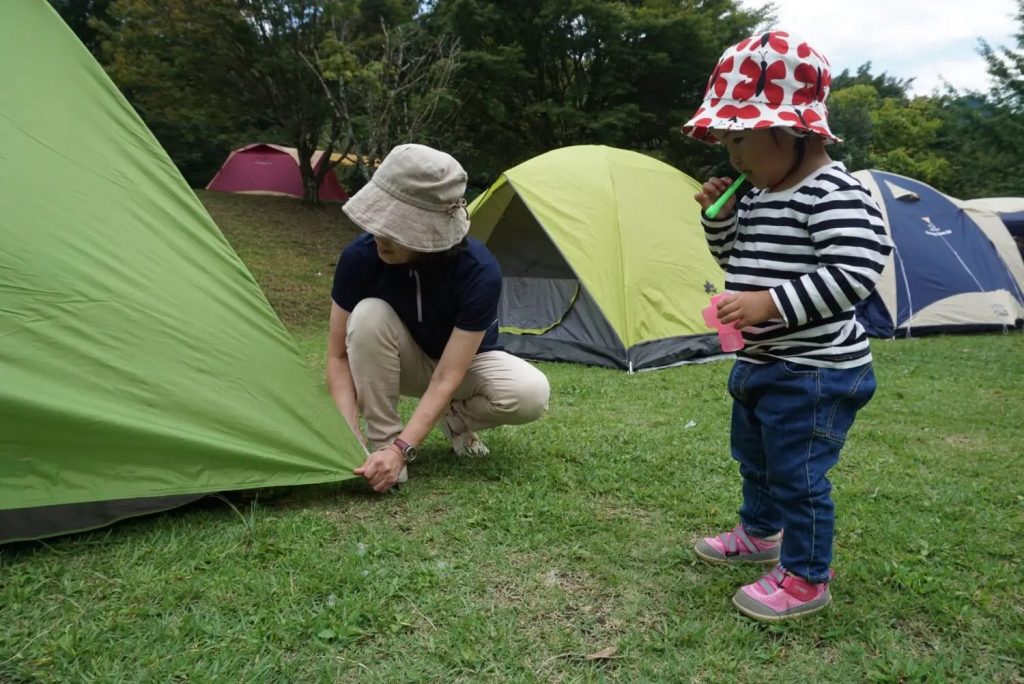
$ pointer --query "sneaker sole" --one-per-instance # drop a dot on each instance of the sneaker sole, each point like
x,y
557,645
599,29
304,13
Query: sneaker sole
x,y
773,617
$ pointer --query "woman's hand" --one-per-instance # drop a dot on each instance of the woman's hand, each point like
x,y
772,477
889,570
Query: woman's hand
x,y
382,468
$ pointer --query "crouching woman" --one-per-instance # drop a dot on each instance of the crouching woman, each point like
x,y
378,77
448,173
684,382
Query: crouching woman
x,y
414,313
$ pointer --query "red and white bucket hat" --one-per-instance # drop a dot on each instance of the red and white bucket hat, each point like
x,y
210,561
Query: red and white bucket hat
x,y
768,80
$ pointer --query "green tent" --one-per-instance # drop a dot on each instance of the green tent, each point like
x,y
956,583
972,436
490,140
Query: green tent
x,y
140,364
603,258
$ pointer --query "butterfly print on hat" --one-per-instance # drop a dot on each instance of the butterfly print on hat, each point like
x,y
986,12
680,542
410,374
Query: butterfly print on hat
x,y
805,119
776,40
733,112
813,84
718,84
760,79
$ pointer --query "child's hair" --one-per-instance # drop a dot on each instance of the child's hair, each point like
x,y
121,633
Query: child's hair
x,y
800,146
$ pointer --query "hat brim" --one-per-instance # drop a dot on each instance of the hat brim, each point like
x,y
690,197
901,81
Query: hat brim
x,y
729,115
383,215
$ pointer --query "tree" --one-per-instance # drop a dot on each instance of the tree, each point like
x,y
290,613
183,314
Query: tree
x,y
175,63
903,140
884,84
1006,67
539,74
891,133
387,89
283,38
984,132
292,34
850,110
986,142
207,74
82,17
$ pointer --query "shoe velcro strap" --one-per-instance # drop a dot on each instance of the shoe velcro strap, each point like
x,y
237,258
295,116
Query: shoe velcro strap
x,y
729,540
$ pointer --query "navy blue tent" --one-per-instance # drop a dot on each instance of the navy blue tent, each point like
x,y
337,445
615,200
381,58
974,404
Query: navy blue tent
x,y
954,268
1011,212
1014,222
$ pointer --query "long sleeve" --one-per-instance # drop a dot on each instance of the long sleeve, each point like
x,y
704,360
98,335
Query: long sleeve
x,y
852,248
818,249
720,236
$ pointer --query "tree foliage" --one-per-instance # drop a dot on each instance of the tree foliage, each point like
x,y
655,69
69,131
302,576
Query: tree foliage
x,y
496,82
282,37
175,61
1006,67
984,132
884,84
888,132
83,17
208,75
539,74
388,88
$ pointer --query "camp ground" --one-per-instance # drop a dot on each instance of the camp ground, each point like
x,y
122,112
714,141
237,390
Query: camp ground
x,y
176,493
575,230
141,364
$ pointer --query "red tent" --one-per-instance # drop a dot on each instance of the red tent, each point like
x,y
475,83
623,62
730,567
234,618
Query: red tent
x,y
271,170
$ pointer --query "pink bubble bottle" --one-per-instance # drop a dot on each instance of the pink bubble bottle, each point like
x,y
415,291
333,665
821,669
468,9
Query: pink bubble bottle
x,y
729,337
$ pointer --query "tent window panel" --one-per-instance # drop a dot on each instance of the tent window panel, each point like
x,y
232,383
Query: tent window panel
x,y
534,306
523,248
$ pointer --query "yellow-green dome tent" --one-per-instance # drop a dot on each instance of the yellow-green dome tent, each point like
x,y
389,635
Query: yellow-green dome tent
x,y
140,364
603,258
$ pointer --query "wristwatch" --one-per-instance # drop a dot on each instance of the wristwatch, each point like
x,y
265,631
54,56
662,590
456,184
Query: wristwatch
x,y
409,452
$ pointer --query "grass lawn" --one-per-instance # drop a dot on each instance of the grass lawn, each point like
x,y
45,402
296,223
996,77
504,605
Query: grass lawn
x,y
574,536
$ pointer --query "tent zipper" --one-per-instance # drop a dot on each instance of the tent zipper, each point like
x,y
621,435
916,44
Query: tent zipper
x,y
419,295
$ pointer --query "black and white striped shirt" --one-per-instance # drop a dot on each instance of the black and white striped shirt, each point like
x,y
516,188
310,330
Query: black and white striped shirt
x,y
819,248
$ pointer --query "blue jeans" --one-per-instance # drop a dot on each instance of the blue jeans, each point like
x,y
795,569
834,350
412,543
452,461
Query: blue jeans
x,y
789,422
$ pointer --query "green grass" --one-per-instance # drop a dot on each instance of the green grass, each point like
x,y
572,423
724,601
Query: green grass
x,y
572,537
290,248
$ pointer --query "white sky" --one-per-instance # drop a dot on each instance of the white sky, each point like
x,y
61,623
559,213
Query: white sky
x,y
932,40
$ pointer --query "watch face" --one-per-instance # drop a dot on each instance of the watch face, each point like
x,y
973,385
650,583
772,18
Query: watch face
x,y
408,450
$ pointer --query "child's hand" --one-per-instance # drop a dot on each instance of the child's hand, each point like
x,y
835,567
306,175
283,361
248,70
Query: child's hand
x,y
748,308
712,190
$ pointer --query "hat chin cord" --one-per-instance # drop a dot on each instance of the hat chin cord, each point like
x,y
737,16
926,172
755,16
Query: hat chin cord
x,y
801,153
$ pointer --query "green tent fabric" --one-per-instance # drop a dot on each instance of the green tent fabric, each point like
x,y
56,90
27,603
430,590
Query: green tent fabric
x,y
603,258
140,361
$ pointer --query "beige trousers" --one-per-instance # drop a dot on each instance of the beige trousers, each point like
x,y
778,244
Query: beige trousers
x,y
499,389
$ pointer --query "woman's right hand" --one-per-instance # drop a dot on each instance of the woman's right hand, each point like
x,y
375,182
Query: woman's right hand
x,y
711,191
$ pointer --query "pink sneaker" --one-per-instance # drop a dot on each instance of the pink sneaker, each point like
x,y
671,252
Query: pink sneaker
x,y
736,546
780,595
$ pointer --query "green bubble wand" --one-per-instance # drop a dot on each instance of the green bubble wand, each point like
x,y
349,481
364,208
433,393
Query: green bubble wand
x,y
712,211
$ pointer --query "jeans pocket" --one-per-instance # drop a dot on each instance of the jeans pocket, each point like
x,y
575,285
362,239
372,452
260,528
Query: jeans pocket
x,y
799,369
737,377
864,387
847,391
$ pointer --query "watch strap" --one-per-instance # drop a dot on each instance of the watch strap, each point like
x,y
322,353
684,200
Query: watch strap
x,y
408,450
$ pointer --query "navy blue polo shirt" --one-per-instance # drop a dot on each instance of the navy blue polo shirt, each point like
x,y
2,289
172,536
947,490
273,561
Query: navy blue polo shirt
x,y
431,297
